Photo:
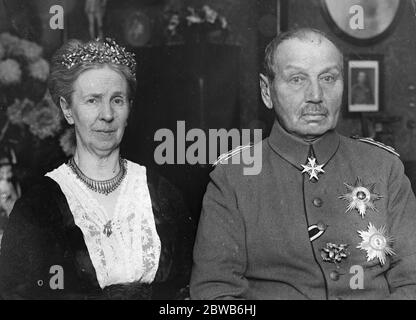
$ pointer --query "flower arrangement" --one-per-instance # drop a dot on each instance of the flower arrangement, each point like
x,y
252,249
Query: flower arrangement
x,y
25,108
28,116
195,25
10,72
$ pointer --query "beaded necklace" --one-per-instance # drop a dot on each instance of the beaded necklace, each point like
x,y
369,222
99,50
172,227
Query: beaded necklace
x,y
100,186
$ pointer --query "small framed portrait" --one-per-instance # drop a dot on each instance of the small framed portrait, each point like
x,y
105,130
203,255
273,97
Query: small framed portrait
x,y
364,83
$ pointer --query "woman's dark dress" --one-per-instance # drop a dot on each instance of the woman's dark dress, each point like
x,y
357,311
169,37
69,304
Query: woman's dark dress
x,y
41,233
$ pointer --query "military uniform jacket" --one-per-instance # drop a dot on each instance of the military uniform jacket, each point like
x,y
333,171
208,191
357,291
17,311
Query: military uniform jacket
x,y
253,240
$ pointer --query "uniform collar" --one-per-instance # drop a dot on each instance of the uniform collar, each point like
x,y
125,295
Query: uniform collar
x,y
296,150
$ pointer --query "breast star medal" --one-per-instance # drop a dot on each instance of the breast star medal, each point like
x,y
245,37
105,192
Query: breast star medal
x,y
360,197
312,168
376,242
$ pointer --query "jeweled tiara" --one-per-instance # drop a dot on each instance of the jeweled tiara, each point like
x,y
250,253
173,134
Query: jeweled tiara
x,y
107,51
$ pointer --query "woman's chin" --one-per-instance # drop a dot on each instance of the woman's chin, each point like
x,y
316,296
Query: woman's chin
x,y
103,148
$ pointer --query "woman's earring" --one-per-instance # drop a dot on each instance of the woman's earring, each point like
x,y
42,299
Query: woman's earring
x,y
69,118
66,110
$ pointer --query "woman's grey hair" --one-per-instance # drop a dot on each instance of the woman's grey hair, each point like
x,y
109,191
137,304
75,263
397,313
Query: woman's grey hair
x,y
62,78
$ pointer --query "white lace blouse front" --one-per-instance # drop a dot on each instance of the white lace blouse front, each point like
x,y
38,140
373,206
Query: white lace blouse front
x,y
131,253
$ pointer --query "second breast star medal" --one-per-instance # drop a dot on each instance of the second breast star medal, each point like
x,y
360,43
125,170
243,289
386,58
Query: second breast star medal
x,y
312,168
376,242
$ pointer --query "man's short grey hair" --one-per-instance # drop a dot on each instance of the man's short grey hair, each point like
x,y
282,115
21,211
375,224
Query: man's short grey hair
x,y
301,34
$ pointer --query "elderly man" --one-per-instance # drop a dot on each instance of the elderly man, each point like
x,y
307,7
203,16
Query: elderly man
x,y
328,217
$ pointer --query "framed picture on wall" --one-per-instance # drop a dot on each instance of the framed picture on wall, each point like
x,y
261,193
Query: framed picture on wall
x,y
364,83
362,22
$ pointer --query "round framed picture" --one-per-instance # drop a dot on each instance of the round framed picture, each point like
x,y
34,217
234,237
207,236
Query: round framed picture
x,y
362,21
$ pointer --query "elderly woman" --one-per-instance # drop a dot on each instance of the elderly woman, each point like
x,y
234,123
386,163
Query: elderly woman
x,y
99,226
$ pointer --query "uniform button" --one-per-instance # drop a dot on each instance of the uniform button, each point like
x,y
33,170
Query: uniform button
x,y
334,275
317,202
321,226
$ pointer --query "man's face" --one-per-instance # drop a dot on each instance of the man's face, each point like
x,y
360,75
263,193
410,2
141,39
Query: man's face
x,y
306,93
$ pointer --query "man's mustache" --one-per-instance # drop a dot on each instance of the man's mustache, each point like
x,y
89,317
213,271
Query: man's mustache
x,y
311,108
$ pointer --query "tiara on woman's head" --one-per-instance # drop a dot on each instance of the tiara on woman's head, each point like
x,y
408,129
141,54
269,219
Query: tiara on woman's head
x,y
107,51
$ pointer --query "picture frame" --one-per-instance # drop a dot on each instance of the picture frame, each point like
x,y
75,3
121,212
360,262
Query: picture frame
x,y
380,19
364,83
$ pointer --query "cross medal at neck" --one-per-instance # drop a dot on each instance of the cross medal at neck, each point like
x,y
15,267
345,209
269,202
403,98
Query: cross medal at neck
x,y
311,167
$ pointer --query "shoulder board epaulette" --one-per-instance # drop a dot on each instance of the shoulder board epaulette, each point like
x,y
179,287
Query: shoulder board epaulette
x,y
232,153
377,143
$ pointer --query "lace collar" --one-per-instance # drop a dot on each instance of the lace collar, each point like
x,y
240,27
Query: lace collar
x,y
131,253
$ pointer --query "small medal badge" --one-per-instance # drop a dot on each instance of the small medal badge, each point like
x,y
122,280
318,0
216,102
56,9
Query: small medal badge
x,y
316,230
312,168
360,197
376,242
334,253
108,229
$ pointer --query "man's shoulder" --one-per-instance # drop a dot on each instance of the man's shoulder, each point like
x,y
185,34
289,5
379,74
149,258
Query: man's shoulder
x,y
242,161
368,147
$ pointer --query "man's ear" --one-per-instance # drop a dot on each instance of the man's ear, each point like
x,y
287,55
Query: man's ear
x,y
66,109
265,91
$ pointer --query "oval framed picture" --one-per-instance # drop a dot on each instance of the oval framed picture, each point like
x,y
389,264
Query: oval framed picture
x,y
362,22
137,29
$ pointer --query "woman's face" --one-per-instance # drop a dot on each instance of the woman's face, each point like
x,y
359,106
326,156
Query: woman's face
x,y
99,110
